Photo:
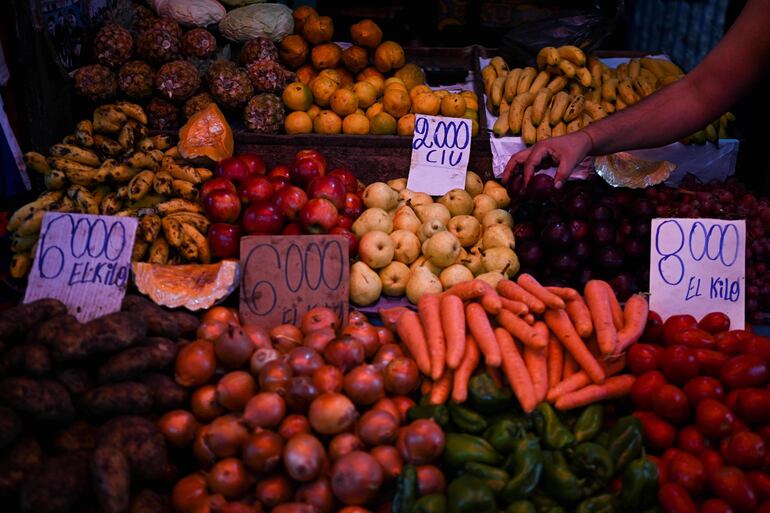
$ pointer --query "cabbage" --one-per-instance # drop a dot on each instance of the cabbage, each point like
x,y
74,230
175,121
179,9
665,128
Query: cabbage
x,y
238,3
273,21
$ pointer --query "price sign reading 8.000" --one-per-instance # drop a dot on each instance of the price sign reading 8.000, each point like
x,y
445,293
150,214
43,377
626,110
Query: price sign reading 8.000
x,y
440,152
698,266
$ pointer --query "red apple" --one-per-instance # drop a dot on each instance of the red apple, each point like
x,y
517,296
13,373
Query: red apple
x,y
255,188
224,240
222,206
318,216
347,177
232,168
216,183
292,229
280,170
350,236
343,222
353,207
304,170
290,199
315,154
254,162
328,187
279,182
262,219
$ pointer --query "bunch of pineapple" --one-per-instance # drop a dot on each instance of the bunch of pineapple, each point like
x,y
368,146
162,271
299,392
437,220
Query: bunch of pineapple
x,y
110,166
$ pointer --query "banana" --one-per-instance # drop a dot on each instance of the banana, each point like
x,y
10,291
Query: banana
x,y
698,137
106,146
133,111
626,92
528,130
621,71
540,104
585,119
149,201
161,142
77,173
516,112
488,75
159,251
609,89
193,237
156,155
31,225
140,131
574,109
540,81
669,68
711,135
67,205
21,243
140,185
584,77
557,84
496,93
126,137
142,160
36,162
108,119
84,199
668,80
722,130
122,172
145,144
21,263
199,221
527,77
642,87
595,95
70,139
500,128
100,192
573,54
559,129
653,66
558,107
574,126
110,204
575,89
75,153
162,183
594,110
84,132
174,258
619,105
608,107
543,132
55,180
567,68
178,205
172,230
595,65
633,68
649,77
547,56
511,84
149,227
140,248
122,192
173,152
184,189
196,175
499,64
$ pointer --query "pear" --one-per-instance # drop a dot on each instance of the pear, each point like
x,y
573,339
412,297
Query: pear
x,y
406,246
493,278
497,216
376,249
498,236
502,260
422,261
422,281
394,278
442,249
433,211
466,228
414,199
380,195
458,202
473,262
429,229
462,255
498,193
365,285
483,204
473,184
372,219
406,219
454,274
397,184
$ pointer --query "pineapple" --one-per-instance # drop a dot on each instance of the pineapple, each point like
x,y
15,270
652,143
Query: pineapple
x,y
264,114
196,103
229,85
258,49
169,26
143,18
95,82
157,46
268,76
217,67
136,79
199,43
162,115
177,80
113,45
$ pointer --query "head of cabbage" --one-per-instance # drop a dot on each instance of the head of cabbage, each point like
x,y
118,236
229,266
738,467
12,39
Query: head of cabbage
x,y
273,21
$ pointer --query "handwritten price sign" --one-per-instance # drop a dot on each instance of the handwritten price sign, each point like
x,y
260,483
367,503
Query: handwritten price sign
x,y
84,261
441,148
698,266
284,277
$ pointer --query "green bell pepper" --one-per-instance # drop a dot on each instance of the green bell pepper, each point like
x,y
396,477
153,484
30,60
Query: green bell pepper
x,y
406,490
593,463
558,478
486,396
520,507
469,494
502,434
466,420
589,423
494,477
550,429
625,442
526,466
640,485
437,412
433,503
604,503
461,448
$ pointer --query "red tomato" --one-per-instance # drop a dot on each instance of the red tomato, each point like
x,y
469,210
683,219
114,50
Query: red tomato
x,y
744,371
689,439
713,419
653,331
688,471
732,486
642,358
662,476
696,338
711,362
703,387
675,499
714,322
671,404
644,388
764,508
745,450
669,454
712,461
729,342
739,425
757,345
753,405
679,364
760,483
715,506
731,400
674,326
658,434
764,432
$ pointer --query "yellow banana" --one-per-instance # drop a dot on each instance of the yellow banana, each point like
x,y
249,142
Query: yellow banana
x,y
140,248
159,251
149,201
540,104
559,129
21,243
184,189
108,119
36,162
126,137
488,75
32,224
500,128
633,68
142,160
70,139
122,192
149,227
496,93
574,109
161,142
511,84
193,237
527,77
516,112
140,131
668,80
75,153
558,83
594,110
652,79
712,134
162,183
567,68
642,87
595,65
528,130
84,132
133,111
173,152
67,165
653,66
558,107
547,56
573,54
178,205
196,175
621,71
722,130
575,89
84,199
574,126
595,95
540,81
584,77
172,230
100,192
145,145
608,107
609,90
619,105
501,67
106,146
669,68
543,132
199,221
698,137
140,185
122,172
626,92
55,180
585,119
110,204
21,263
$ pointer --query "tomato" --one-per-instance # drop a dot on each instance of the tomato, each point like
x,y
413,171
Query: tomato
x,y
671,404
644,388
745,450
760,483
764,432
712,461
753,405
696,338
711,362
642,358
701,388
687,471
679,364
729,342
757,345
715,506
744,371
764,508
675,499
662,476
713,419
658,434
689,439
732,486
653,330
714,322
669,454
731,400
674,326
739,425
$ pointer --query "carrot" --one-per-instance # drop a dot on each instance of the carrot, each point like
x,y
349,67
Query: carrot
x,y
635,316
521,330
581,379
537,365
616,386
580,316
531,285
426,387
559,323
463,373
598,301
467,289
516,307
570,366
555,357
617,312
412,335
430,315
516,371
494,373
439,393
481,329
566,293
491,302
390,316
453,323
514,291
529,319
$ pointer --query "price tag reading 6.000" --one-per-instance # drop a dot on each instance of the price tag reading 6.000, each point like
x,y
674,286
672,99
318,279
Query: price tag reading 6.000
x,y
440,152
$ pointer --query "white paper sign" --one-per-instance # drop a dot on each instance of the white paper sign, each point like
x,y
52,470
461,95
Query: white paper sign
x,y
441,148
698,266
84,261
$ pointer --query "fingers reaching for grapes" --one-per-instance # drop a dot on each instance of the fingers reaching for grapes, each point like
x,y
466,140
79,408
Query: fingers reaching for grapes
x,y
565,151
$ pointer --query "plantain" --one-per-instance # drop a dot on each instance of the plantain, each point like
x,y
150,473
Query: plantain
x,y
126,137
572,54
84,200
541,80
75,153
172,230
575,108
108,119
31,225
540,105
594,110
133,111
642,87
621,71
67,205
584,76
178,205
557,84
496,93
122,172
21,263
511,84
633,68
668,80
559,129
161,142
142,160
575,89
193,237
140,185
84,133
140,248
574,126
558,107
653,66
159,251
195,175
516,112
184,189
527,77
145,144
36,162
162,183
609,89
149,201
76,172
567,68
528,130
500,128
626,92
106,146
595,95
543,132
104,172
55,180
199,221
140,130
608,107
110,204
100,192
649,77
547,56
499,64
149,227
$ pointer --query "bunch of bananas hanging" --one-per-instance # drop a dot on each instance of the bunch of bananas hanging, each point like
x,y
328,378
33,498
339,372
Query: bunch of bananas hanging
x,y
111,166
568,91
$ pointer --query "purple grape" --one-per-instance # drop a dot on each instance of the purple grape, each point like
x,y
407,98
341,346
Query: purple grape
x,y
576,204
540,187
643,209
582,250
634,248
524,231
556,235
531,254
600,213
603,233
578,229
609,257
565,264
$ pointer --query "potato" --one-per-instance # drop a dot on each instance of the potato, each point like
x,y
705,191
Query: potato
x,y
20,458
115,331
141,442
19,319
159,321
154,354
80,436
111,479
10,426
64,335
76,380
37,359
148,501
57,484
166,393
124,398
41,398
188,323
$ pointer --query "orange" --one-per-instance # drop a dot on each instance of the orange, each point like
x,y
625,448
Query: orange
x,y
355,58
300,14
313,111
373,110
355,124
332,74
346,78
323,88
293,50
318,29
306,74
383,124
406,125
377,82
366,93
417,90
426,103
297,96
366,33
388,56
411,74
327,55
298,122
396,102
344,102
327,122
453,106
369,72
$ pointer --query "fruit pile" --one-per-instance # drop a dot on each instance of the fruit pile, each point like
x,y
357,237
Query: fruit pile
x,y
702,399
327,99
410,245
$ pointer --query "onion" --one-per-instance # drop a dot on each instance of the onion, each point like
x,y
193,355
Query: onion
x,y
292,425
430,480
331,413
225,436
265,410
403,403
303,361
188,492
204,404
421,442
300,393
261,357
364,385
221,314
390,460
401,376
274,377
365,333
385,335
211,330
318,494
303,457
196,364
178,427
356,478
228,477
262,451
273,490
327,379
258,335
377,427
233,347
285,337
203,454
345,353
235,389
386,354
343,444
387,405
319,339
318,318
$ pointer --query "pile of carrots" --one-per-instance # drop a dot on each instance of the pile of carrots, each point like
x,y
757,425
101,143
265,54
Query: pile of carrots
x,y
552,343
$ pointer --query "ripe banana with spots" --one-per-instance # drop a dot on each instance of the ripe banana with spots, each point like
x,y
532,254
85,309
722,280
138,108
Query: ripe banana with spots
x,y
547,56
194,238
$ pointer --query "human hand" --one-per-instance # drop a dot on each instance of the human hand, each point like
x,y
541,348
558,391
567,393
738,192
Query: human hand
x,y
566,151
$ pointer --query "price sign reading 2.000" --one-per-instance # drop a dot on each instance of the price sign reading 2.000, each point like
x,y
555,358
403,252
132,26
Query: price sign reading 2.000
x,y
440,152
698,266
